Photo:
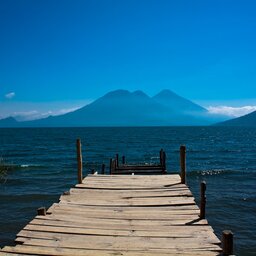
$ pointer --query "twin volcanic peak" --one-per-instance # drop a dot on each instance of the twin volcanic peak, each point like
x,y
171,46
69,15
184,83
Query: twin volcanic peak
x,y
124,108
166,98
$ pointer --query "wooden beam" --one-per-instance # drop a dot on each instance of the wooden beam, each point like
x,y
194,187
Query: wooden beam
x,y
79,161
110,166
203,200
183,164
41,211
139,167
123,159
164,163
103,169
117,160
227,242
161,157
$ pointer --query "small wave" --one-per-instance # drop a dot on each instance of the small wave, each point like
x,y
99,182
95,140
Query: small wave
x,y
14,167
30,167
24,165
212,172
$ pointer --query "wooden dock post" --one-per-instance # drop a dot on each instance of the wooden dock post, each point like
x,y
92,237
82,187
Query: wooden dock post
x,y
117,160
114,165
161,156
203,200
103,169
79,161
41,211
183,164
66,193
123,159
110,166
227,242
164,162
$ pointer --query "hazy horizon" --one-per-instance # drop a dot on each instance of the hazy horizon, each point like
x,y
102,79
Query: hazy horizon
x,y
38,110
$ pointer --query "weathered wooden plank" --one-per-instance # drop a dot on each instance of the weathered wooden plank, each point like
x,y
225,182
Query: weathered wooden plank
x,y
14,254
118,226
132,202
182,233
129,182
178,188
180,209
125,215
101,187
166,176
155,200
172,223
171,210
133,178
138,171
142,220
114,242
41,250
135,194
120,187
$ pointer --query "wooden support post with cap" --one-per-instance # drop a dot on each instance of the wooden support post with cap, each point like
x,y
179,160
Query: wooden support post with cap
x,y
41,211
79,161
227,242
203,200
161,157
103,169
164,162
117,160
183,164
114,165
110,166
123,159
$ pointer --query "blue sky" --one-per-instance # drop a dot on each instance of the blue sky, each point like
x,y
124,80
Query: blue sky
x,y
59,55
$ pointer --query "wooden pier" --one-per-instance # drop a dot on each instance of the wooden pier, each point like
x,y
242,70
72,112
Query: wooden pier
x,y
129,215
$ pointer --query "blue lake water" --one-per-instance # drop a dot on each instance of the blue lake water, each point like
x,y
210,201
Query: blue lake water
x,y
46,167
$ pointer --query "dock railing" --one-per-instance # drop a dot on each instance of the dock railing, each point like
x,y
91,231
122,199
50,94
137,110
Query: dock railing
x,y
124,168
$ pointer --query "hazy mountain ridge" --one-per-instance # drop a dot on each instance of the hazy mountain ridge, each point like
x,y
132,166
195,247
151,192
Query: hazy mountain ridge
x,y
246,120
172,100
124,108
8,122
